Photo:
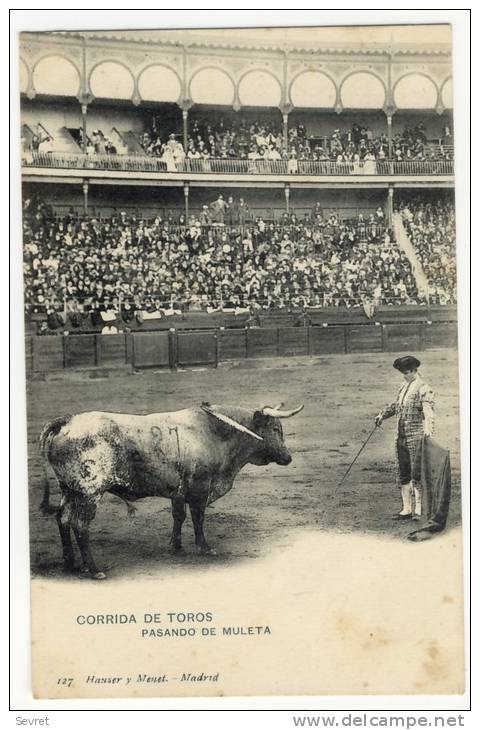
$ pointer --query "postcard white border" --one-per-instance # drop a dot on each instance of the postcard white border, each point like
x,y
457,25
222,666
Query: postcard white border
x,y
124,18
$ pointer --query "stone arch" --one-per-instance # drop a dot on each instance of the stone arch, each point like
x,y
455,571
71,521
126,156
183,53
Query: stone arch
x,y
446,93
363,90
212,85
313,89
57,75
159,82
415,90
111,79
24,76
259,87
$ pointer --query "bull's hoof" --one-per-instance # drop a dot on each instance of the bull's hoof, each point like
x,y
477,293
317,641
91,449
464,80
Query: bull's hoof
x,y
206,550
174,549
99,575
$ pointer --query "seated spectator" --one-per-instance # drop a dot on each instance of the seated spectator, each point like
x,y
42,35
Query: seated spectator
x,y
109,269
431,229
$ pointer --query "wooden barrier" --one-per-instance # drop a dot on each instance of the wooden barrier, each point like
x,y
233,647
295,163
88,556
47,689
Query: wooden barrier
x,y
111,350
232,344
326,340
440,334
80,351
231,320
47,353
439,313
197,348
293,341
276,319
262,342
180,348
29,341
364,338
269,318
404,337
338,316
150,350
401,314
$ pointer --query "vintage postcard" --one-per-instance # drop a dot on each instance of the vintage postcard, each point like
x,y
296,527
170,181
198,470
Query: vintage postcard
x,y
240,298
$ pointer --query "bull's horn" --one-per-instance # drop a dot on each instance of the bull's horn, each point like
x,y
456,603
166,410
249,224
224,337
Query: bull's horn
x,y
276,413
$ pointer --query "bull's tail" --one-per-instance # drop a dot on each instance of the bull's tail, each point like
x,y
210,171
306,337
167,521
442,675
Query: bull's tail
x,y
50,430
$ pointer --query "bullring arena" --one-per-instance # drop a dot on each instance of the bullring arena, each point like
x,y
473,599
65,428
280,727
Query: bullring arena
x,y
245,221
268,507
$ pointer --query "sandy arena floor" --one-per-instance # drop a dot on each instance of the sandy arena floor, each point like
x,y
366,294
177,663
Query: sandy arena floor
x,y
268,506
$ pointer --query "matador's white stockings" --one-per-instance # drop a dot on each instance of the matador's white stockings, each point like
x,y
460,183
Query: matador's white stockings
x,y
406,490
409,495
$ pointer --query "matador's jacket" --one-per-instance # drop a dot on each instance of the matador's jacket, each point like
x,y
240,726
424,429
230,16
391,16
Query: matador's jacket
x,y
414,409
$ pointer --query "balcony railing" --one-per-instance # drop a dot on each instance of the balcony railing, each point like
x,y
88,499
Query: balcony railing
x,y
232,166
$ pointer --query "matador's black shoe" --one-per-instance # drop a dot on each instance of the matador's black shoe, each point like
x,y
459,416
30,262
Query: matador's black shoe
x,y
399,517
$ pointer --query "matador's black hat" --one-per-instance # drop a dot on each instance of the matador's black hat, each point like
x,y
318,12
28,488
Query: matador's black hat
x,y
408,362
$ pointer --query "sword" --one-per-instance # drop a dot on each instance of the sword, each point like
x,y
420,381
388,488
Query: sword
x,y
358,454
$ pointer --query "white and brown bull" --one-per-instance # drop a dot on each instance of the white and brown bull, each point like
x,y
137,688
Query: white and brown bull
x,y
190,456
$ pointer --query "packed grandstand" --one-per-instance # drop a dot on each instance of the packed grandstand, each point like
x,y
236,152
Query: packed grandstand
x,y
108,246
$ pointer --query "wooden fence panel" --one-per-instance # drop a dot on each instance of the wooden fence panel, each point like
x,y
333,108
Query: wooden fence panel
x,y
150,349
365,338
111,350
325,340
196,348
232,344
80,351
262,342
47,353
293,341
440,334
404,337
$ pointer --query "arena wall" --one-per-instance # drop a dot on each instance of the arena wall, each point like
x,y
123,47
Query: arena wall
x,y
175,348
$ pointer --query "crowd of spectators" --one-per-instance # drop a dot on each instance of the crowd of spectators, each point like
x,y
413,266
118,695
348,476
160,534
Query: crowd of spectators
x,y
431,229
170,150
38,141
259,145
142,268
241,139
98,143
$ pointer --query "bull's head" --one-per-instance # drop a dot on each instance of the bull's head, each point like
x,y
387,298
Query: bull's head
x,y
264,431
267,425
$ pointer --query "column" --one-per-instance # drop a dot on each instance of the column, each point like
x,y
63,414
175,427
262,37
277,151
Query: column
x,y
185,105
287,197
186,191
285,109
185,129
285,130
84,127
85,196
390,206
390,136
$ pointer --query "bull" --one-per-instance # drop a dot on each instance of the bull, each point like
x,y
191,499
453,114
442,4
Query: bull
x,y
190,456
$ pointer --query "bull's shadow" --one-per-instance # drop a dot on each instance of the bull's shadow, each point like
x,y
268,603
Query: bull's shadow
x,y
264,513
139,544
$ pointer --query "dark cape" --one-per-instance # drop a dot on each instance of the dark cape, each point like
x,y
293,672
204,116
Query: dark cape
x,y
432,469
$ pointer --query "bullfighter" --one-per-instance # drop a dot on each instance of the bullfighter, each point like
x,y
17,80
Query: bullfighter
x,y
414,409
